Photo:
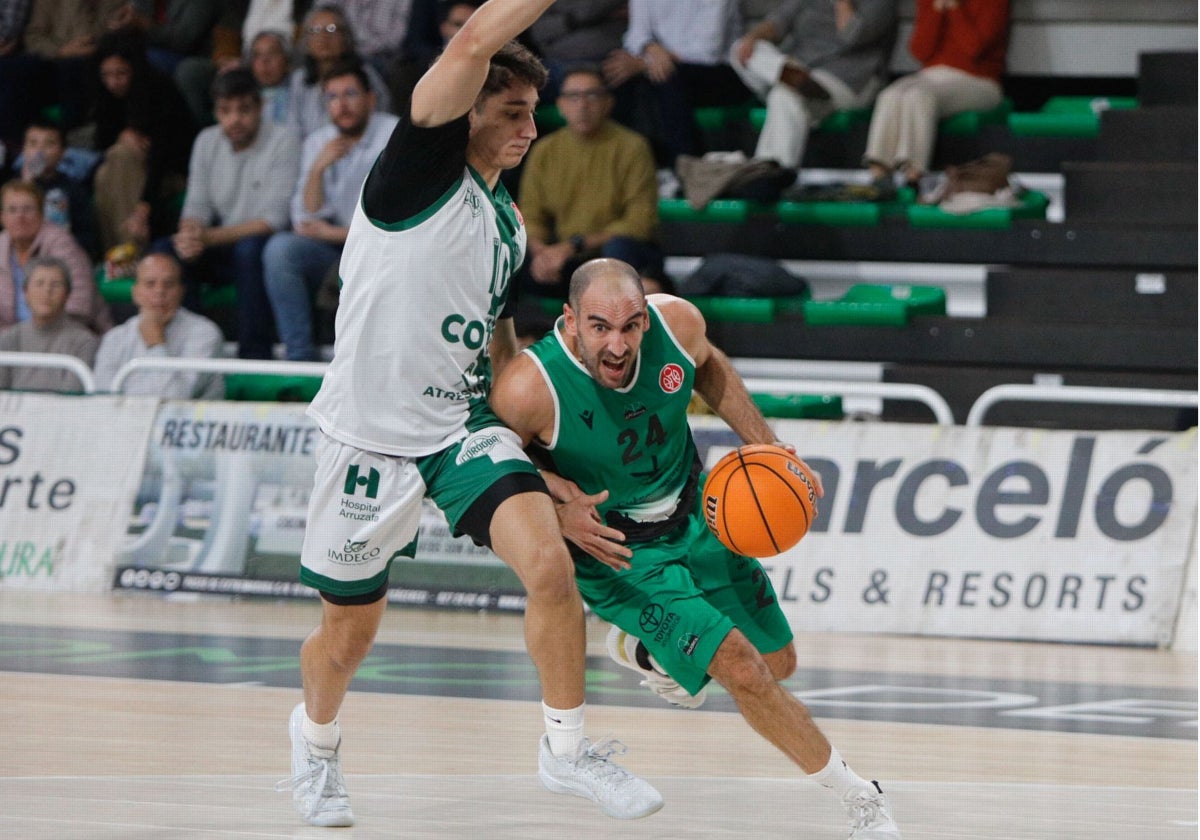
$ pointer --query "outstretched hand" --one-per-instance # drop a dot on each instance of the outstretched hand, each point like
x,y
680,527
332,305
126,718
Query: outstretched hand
x,y
581,524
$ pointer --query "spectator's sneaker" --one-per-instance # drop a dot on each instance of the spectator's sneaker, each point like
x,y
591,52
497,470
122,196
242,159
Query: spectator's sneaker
x,y
870,815
623,648
595,776
318,789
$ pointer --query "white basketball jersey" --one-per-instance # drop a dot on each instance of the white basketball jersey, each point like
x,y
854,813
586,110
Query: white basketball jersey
x,y
419,303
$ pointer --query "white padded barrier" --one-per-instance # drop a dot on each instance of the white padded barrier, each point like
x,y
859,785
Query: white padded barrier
x,y
1075,394
52,360
277,368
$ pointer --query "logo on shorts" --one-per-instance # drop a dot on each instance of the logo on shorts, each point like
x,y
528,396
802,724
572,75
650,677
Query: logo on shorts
x,y
670,378
475,445
650,618
688,642
354,481
353,553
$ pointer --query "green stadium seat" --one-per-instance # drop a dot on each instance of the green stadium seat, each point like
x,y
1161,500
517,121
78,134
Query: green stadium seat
x,y
838,122
876,305
264,387
1068,116
1033,206
800,406
720,210
969,122
841,213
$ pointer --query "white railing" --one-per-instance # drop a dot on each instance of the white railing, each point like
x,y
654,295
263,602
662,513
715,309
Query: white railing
x,y
1076,394
276,368
52,360
885,390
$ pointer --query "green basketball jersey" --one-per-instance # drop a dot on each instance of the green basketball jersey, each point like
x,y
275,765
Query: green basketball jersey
x,y
635,441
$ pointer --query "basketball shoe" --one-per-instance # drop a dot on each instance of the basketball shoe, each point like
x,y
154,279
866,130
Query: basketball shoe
x,y
595,776
318,789
870,815
629,651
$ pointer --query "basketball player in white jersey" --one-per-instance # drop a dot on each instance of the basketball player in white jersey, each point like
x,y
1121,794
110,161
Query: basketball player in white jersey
x,y
403,410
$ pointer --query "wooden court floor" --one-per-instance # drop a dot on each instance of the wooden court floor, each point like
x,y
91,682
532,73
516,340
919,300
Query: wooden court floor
x,y
127,716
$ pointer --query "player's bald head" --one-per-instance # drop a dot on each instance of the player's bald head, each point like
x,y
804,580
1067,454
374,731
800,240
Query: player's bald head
x,y
616,275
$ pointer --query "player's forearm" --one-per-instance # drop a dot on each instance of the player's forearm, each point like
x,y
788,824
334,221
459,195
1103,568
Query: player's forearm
x,y
497,22
722,388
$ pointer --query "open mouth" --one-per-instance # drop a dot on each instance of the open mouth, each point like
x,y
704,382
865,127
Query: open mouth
x,y
614,367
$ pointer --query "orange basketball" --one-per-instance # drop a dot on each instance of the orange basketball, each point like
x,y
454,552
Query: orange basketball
x,y
759,500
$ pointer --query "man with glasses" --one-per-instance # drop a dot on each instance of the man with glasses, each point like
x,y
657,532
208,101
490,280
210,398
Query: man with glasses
x,y
589,190
334,163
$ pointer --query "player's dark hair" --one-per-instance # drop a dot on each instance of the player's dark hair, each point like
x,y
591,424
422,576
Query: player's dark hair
x,y
514,62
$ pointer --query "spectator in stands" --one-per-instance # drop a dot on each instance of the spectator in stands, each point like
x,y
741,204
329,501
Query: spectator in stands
x,y
68,203
161,329
588,190
195,73
573,32
64,34
836,59
21,93
334,163
173,29
680,48
274,16
48,330
961,47
27,235
327,38
145,132
380,32
431,25
240,178
269,62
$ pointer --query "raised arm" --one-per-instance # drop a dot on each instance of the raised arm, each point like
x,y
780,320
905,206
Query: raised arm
x,y
450,86
716,380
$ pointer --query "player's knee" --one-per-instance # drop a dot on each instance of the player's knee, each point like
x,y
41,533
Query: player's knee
x,y
740,668
548,575
782,662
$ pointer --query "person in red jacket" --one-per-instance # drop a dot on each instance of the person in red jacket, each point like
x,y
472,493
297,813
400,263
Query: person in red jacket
x,y
961,46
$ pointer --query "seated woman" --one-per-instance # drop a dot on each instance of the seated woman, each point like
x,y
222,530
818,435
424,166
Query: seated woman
x,y
326,38
961,46
26,235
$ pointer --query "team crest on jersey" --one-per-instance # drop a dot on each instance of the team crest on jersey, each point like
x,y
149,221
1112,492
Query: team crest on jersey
x,y
471,199
520,218
670,378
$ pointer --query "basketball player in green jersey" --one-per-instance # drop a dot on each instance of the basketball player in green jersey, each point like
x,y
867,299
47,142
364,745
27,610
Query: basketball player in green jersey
x,y
403,411
604,396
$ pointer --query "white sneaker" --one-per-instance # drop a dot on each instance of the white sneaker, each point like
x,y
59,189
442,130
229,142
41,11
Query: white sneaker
x,y
622,647
595,776
318,789
870,815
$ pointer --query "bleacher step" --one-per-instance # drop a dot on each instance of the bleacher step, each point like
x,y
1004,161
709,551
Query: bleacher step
x,y
1131,193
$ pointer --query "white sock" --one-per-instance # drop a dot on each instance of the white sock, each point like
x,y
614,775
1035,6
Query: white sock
x,y
325,736
838,777
564,729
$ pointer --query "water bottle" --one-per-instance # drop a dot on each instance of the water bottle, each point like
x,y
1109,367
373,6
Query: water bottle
x,y
37,164
57,208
